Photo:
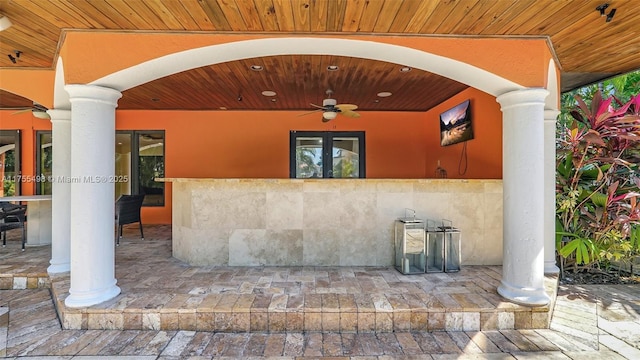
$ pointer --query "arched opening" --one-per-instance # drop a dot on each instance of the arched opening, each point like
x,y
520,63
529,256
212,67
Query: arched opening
x,y
198,57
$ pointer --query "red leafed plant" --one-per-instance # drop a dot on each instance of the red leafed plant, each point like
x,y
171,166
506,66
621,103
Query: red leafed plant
x,y
598,211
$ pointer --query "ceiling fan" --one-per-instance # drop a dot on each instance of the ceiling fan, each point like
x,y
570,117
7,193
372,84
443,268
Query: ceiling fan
x,y
37,110
330,108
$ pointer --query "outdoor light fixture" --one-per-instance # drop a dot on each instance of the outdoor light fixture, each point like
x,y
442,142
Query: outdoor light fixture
x,y
5,23
14,59
610,15
602,8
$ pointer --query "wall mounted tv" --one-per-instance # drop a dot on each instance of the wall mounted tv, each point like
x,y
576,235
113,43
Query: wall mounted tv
x,y
455,124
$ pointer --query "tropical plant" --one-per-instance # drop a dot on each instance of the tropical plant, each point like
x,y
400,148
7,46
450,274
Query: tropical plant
x,y
623,87
305,162
598,212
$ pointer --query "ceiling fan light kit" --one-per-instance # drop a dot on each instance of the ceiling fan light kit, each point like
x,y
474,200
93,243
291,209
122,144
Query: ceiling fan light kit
x,y
41,114
329,115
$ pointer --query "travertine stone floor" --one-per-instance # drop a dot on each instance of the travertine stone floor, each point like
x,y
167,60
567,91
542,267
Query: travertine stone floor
x,y
161,293
595,322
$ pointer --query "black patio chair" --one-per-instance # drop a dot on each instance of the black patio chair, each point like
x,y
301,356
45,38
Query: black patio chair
x,y
128,212
12,217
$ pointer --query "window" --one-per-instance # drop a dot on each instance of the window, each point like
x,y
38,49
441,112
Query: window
x,y
10,174
139,160
321,154
44,162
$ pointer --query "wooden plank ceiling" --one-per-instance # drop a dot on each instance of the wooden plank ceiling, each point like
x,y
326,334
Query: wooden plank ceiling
x,y
587,46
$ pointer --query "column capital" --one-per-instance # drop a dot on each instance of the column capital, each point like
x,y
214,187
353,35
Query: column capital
x,y
93,93
59,114
522,97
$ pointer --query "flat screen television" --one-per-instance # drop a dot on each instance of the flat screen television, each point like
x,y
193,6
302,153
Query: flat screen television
x,y
455,124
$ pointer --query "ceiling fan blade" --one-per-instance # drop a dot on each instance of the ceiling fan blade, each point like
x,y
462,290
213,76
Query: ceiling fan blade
x,y
40,114
349,113
319,107
14,107
343,107
311,112
20,110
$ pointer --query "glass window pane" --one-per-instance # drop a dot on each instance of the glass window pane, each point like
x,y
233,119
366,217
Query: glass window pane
x,y
309,157
9,163
151,166
123,164
346,159
45,163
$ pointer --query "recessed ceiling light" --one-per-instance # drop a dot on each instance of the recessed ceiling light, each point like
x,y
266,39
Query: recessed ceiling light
x,y
332,67
376,101
222,108
384,94
274,100
5,23
257,68
405,69
269,93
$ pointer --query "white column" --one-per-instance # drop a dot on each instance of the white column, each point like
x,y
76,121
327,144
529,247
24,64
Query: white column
x,y
550,192
60,191
92,195
523,193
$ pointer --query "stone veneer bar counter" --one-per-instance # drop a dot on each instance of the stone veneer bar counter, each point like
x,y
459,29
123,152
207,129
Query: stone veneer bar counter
x,y
325,222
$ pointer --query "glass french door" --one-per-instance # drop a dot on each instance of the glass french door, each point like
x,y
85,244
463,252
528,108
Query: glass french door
x,y
327,154
139,160
44,162
10,174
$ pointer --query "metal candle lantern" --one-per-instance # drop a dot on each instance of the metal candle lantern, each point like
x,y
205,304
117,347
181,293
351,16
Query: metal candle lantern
x,y
410,245
443,247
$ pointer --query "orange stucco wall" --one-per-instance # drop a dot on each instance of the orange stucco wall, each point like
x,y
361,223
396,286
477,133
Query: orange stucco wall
x,y
34,84
483,153
91,55
248,144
